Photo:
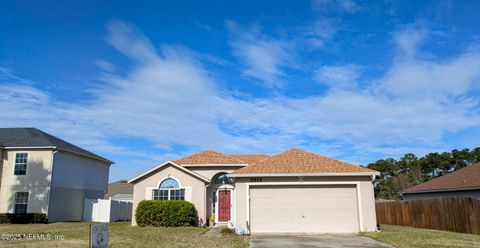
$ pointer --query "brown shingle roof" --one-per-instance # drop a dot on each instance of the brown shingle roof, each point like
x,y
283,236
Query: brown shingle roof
x,y
299,161
468,177
209,157
250,158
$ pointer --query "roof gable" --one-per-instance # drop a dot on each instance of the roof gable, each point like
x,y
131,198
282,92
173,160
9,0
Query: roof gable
x,y
298,161
468,177
33,137
208,157
158,167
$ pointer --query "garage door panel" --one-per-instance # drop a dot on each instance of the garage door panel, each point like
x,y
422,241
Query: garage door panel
x,y
293,209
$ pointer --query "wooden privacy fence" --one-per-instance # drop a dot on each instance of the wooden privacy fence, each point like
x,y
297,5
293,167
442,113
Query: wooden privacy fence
x,y
456,214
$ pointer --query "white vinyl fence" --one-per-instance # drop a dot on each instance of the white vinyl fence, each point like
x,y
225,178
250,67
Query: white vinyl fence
x,y
101,210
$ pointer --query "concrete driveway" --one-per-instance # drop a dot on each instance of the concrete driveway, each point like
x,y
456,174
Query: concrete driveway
x,y
324,240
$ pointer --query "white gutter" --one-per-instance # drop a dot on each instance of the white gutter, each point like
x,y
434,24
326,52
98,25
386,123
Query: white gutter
x,y
29,147
324,174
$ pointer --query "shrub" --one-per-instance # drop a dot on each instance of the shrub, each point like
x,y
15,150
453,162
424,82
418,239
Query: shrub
x,y
166,213
25,218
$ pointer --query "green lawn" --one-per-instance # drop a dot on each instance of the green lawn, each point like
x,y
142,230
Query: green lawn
x,y
409,237
121,235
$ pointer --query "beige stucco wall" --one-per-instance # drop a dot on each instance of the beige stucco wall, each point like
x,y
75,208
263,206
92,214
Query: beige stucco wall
x,y
59,191
210,171
366,197
36,181
1,167
368,206
153,180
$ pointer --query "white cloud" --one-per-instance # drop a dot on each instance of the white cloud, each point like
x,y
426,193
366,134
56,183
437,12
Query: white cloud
x,y
356,118
411,76
344,77
349,6
428,78
131,42
409,38
167,98
262,56
321,32
105,65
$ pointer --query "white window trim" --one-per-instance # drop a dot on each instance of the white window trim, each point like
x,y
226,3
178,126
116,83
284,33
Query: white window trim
x,y
169,189
15,162
232,204
169,193
357,185
15,199
11,208
216,188
169,177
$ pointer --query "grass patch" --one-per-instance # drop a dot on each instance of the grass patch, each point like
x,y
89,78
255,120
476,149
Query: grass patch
x,y
409,237
227,231
121,235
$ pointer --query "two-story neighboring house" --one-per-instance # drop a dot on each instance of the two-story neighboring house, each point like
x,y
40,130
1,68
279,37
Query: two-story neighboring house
x,y
40,173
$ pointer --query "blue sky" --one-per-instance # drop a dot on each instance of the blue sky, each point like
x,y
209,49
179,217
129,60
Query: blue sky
x,y
140,83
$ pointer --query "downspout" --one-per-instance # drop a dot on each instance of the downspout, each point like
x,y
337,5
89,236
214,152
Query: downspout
x,y
51,179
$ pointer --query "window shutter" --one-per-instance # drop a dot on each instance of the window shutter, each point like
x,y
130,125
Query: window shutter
x,y
148,193
188,193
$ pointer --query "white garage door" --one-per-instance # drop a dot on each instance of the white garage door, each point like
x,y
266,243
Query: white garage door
x,y
303,209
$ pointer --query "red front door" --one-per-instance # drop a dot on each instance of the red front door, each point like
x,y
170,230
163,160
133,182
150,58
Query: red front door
x,y
223,205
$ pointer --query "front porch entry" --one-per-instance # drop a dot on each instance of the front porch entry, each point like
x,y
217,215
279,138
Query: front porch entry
x,y
221,191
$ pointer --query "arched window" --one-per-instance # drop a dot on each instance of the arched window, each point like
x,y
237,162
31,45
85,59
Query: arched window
x,y
222,179
169,190
169,184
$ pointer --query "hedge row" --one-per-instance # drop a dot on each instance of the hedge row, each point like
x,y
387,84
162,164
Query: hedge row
x,y
25,218
166,213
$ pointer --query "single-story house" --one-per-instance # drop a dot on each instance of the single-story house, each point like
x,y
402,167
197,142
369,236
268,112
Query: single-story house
x,y
462,183
120,190
291,192
40,173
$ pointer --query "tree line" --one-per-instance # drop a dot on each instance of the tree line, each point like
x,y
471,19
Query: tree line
x,y
410,170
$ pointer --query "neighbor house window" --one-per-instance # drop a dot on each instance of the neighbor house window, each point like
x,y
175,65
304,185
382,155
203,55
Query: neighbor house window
x,y
21,202
20,164
169,190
